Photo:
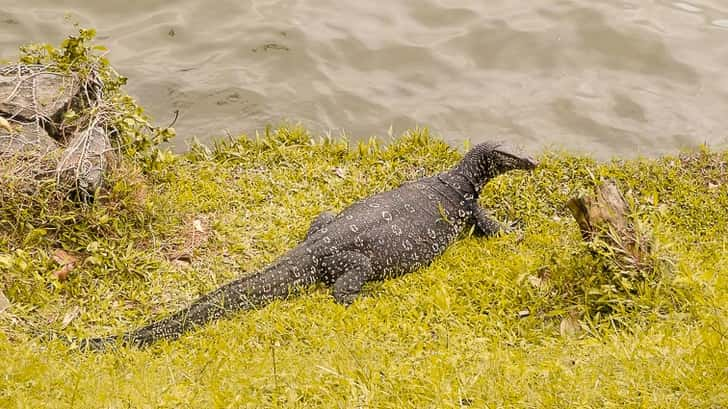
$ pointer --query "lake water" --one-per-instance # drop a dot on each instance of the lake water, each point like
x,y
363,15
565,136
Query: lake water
x,y
610,77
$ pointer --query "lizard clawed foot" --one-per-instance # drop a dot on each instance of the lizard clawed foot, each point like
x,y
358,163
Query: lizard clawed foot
x,y
345,299
512,226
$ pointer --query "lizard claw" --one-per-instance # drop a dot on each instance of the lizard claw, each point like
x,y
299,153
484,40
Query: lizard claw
x,y
511,226
345,299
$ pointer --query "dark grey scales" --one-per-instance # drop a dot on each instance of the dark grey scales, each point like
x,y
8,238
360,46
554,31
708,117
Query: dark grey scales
x,y
382,236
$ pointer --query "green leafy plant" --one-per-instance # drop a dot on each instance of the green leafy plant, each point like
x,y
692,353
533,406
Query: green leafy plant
x,y
131,129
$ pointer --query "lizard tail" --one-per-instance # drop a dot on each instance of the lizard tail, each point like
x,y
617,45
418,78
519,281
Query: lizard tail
x,y
242,294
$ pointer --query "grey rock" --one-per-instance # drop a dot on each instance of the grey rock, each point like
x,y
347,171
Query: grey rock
x,y
85,160
27,93
33,100
25,139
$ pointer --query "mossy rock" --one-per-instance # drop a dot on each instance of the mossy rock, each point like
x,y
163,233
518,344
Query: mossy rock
x,y
23,139
33,93
41,127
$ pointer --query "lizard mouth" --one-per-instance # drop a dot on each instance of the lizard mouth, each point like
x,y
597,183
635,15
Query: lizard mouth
x,y
531,163
524,162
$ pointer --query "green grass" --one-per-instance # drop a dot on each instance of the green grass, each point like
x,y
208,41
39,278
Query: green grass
x,y
451,335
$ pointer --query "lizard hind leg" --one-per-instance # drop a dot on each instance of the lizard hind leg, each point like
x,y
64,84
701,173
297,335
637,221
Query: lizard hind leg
x,y
348,270
319,222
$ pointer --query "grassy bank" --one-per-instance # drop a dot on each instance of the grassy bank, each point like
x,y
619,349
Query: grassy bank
x,y
527,319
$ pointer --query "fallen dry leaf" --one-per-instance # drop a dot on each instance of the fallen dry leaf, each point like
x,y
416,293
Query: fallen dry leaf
x,y
197,224
182,262
67,262
195,236
537,283
62,273
4,302
62,257
570,326
5,125
70,316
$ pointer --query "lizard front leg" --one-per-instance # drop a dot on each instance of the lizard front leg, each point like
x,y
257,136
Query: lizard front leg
x,y
486,225
348,270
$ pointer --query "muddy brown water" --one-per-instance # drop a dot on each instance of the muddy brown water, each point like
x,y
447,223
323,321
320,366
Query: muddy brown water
x,y
611,78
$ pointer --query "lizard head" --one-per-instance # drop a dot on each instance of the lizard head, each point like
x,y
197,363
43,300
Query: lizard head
x,y
488,160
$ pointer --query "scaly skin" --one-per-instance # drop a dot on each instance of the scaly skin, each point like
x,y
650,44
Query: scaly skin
x,y
383,236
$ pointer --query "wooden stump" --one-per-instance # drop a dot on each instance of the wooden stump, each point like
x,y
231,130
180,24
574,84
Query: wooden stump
x,y
605,221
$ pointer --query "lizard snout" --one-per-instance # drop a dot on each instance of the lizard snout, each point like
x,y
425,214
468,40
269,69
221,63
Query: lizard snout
x,y
531,163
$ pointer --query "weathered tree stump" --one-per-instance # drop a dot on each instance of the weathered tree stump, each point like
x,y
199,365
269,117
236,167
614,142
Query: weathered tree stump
x,y
605,221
